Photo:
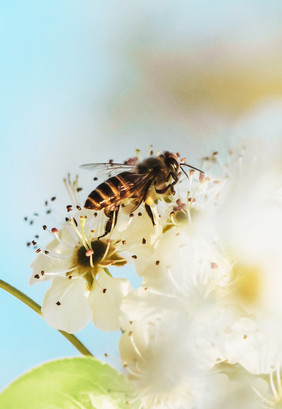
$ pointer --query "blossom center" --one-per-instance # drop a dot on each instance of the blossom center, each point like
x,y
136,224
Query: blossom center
x,y
99,249
247,282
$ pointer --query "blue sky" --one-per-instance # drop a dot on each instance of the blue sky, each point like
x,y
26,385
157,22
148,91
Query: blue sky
x,y
61,61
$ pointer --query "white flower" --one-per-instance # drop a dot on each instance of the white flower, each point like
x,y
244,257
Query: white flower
x,y
249,226
155,365
76,261
231,387
271,397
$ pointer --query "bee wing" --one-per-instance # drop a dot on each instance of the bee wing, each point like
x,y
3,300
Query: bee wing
x,y
106,170
138,186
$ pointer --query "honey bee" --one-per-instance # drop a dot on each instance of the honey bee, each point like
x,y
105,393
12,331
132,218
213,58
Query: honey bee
x,y
137,183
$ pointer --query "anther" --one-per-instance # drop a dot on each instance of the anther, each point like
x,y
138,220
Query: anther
x,y
44,227
48,211
36,236
46,252
89,253
123,241
67,219
28,243
201,177
78,207
69,208
134,256
75,222
69,277
104,290
131,215
25,218
35,214
53,198
46,203
213,265
58,303
139,214
34,242
143,241
31,222
36,276
37,251
95,214
106,355
79,189
95,178
157,262
42,273
54,230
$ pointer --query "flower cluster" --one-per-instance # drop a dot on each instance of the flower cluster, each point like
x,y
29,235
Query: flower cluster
x,y
203,329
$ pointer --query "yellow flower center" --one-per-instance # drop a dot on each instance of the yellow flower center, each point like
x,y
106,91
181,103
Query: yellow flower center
x,y
247,283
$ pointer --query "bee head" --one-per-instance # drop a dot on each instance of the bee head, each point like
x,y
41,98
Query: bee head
x,y
171,161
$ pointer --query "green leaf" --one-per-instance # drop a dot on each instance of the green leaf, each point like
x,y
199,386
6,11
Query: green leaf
x,y
72,383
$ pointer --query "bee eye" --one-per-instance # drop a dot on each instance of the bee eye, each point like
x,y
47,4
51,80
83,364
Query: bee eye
x,y
173,164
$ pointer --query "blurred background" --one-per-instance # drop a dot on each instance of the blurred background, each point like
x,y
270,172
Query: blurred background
x,y
88,81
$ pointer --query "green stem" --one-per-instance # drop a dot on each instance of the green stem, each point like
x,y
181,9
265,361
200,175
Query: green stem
x,y
37,308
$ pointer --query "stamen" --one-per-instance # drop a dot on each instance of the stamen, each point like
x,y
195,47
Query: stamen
x,y
63,272
134,345
275,394
279,379
263,398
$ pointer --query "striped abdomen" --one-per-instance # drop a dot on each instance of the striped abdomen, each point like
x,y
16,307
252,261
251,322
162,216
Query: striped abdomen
x,y
111,191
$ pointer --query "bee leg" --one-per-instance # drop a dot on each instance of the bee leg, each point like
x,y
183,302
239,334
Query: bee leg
x,y
112,215
116,215
150,214
108,228
161,191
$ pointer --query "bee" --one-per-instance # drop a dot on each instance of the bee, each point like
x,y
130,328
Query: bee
x,y
137,183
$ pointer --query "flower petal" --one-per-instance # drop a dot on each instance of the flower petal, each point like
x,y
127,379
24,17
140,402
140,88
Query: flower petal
x,y
105,300
65,305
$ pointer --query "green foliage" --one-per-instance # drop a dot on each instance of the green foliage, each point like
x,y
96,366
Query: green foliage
x,y
72,383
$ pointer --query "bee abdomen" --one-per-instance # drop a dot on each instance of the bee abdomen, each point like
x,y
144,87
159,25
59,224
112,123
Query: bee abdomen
x,y
107,193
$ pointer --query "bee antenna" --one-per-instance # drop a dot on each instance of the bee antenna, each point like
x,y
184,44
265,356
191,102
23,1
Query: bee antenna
x,y
192,167
185,173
